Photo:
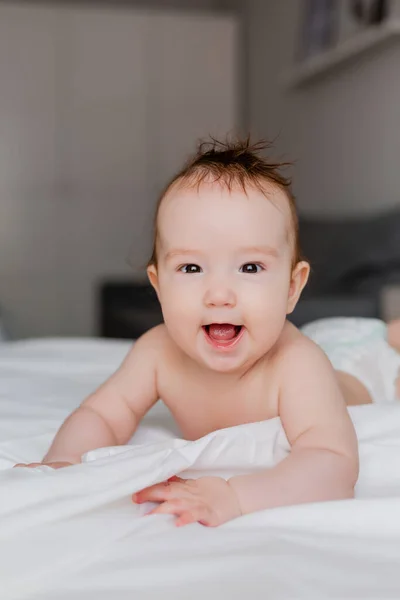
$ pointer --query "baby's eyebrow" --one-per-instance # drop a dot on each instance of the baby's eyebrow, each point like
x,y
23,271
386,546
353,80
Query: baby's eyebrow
x,y
267,250
181,252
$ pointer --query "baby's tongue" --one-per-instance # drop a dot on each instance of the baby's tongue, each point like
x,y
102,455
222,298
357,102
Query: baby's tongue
x,y
221,331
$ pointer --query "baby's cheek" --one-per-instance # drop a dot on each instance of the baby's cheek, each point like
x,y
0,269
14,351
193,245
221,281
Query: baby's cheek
x,y
265,307
179,292
180,318
179,306
266,320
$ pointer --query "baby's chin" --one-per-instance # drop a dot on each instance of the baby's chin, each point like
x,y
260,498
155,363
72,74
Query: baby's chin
x,y
225,363
223,366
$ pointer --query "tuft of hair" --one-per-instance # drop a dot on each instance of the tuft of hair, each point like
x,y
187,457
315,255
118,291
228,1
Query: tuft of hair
x,y
232,163
238,163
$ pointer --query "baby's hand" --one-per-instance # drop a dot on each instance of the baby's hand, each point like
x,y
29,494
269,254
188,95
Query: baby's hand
x,y
209,500
53,465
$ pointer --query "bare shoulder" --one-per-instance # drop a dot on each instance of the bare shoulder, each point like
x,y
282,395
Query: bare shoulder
x,y
153,341
311,405
133,388
145,353
298,354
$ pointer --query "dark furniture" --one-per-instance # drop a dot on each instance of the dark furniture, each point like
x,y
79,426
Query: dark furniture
x,y
127,309
352,260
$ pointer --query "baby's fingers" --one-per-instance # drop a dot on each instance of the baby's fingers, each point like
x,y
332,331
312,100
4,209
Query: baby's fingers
x,y
159,492
194,515
183,509
171,507
186,518
28,465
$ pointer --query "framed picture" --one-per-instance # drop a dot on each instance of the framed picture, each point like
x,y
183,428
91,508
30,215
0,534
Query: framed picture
x,y
328,23
358,15
319,27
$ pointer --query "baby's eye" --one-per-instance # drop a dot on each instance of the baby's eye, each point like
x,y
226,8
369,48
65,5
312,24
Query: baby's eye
x,y
251,268
190,269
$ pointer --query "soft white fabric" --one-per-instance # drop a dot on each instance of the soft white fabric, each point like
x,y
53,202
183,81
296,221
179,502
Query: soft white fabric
x,y
74,533
359,347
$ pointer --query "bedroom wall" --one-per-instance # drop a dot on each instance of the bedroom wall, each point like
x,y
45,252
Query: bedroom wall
x,y
342,130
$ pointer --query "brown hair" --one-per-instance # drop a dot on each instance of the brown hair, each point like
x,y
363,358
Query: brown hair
x,y
234,163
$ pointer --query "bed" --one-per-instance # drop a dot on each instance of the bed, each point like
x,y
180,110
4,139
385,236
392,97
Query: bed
x,y
75,534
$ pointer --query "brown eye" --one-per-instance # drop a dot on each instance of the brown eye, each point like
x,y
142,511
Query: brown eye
x,y
251,268
190,268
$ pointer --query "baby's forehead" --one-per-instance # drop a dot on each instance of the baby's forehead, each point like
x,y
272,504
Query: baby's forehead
x,y
190,191
264,205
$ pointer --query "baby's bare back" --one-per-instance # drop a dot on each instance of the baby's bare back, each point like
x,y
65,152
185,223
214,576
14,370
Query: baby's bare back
x,y
202,401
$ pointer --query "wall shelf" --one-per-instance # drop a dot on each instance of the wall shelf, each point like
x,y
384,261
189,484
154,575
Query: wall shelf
x,y
362,43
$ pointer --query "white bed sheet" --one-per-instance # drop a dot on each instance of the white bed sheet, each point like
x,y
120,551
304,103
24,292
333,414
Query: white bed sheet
x,y
74,533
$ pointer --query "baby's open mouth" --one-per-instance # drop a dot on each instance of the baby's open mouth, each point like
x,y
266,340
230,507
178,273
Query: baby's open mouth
x,y
224,334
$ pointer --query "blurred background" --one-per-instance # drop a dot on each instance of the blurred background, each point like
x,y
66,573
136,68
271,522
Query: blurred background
x,y
101,101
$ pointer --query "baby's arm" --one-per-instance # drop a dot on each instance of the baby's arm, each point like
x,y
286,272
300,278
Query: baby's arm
x,y
323,463
110,415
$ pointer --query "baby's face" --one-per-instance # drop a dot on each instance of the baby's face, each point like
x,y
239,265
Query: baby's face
x,y
224,272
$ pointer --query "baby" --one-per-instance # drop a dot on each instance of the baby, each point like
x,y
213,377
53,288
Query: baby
x,y
227,270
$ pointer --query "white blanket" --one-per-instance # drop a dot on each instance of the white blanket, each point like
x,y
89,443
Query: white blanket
x,y
75,534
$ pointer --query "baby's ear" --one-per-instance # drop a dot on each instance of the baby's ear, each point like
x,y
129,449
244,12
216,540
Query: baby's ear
x,y
298,280
153,276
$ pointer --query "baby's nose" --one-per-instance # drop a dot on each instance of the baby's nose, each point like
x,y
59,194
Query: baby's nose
x,y
220,295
